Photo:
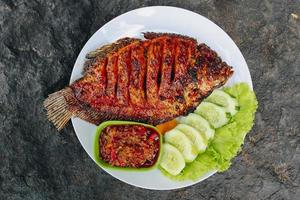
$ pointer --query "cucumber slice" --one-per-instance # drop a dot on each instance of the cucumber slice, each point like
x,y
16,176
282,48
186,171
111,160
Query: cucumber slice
x,y
182,143
214,114
195,136
223,99
199,123
172,160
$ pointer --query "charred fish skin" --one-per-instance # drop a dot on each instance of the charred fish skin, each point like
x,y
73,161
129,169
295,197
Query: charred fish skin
x,y
150,81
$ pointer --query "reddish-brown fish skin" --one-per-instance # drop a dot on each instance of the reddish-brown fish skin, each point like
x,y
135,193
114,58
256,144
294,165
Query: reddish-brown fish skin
x,y
151,81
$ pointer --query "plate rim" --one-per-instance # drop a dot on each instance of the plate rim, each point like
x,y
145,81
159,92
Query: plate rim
x,y
209,174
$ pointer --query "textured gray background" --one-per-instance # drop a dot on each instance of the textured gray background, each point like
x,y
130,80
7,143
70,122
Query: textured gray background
x,y
39,42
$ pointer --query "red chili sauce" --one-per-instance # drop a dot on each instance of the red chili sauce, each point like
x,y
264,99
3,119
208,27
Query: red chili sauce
x,y
129,146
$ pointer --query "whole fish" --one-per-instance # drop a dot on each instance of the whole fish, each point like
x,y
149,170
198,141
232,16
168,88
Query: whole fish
x,y
152,81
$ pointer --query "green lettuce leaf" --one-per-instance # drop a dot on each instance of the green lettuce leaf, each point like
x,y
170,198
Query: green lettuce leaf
x,y
228,139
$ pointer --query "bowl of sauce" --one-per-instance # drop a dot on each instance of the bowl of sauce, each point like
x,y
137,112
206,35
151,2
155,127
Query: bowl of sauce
x,y
127,145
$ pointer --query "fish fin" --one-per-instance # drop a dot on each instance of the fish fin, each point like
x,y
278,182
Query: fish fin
x,y
152,35
90,115
58,107
112,47
62,105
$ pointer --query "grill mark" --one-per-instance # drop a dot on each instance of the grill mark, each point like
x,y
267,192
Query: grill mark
x,y
181,57
129,70
103,77
145,88
116,77
153,65
143,73
133,85
159,55
191,54
123,76
159,74
181,78
137,62
105,73
111,71
190,58
174,53
191,66
172,73
166,67
158,80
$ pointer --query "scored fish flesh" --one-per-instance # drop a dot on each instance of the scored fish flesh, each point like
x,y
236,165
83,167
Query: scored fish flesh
x,y
152,81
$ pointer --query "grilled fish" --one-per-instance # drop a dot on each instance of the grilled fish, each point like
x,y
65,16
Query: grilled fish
x,y
152,81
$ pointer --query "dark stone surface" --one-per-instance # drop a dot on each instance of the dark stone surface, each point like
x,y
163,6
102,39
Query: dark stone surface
x,y
39,42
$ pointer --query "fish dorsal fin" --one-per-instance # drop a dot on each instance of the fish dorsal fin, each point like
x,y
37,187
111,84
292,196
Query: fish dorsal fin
x,y
152,35
111,48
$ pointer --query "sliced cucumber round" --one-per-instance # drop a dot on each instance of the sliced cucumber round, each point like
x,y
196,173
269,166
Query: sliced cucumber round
x,y
214,114
198,123
182,143
195,136
223,99
172,160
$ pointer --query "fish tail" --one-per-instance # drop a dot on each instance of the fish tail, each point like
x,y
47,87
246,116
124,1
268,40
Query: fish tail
x,y
58,107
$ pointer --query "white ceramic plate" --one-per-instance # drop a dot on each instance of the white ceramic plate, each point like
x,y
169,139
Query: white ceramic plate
x,y
157,19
